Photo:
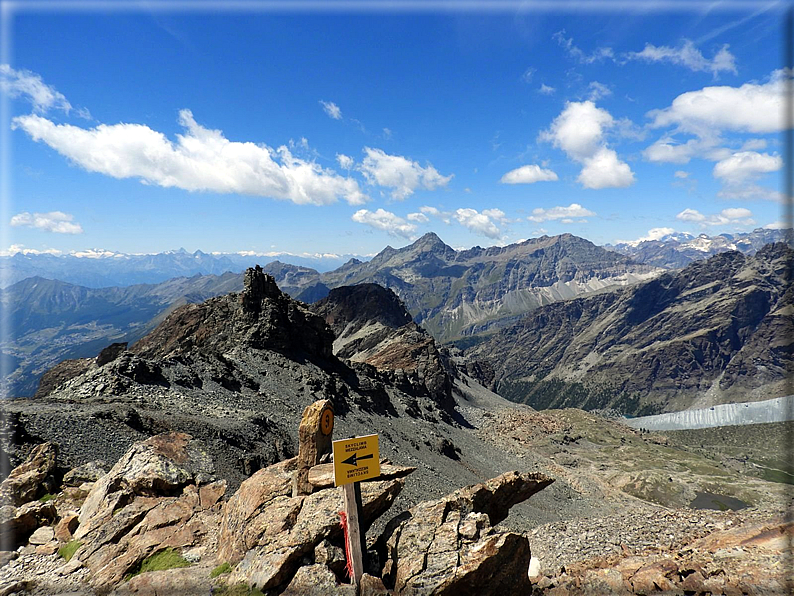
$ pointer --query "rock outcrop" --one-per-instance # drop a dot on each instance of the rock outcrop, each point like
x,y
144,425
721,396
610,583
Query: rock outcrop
x,y
31,479
157,496
267,531
260,317
372,326
450,546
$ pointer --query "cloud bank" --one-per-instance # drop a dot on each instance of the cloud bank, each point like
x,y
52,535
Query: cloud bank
x,y
200,160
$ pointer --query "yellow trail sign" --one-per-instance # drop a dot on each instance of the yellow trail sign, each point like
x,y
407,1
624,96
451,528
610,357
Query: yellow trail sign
x,y
356,459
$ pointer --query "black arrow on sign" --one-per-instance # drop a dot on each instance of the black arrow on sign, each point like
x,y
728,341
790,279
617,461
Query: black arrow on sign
x,y
353,459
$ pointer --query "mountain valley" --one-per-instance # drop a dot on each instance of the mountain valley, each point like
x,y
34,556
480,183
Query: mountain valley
x,y
236,371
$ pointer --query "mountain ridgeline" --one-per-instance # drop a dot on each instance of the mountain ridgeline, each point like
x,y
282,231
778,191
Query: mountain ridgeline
x,y
717,331
455,294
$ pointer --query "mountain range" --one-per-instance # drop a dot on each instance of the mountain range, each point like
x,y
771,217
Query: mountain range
x,y
454,294
715,332
104,268
679,249
53,320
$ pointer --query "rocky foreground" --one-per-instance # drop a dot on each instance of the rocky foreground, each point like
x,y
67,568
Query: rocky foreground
x,y
161,501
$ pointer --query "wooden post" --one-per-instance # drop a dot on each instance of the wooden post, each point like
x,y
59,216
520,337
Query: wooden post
x,y
356,546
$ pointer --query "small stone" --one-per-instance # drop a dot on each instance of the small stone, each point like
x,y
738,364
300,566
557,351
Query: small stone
x,y
66,527
42,536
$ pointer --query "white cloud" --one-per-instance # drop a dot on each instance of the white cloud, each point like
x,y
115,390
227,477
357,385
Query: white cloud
x,y
754,145
562,213
598,90
20,248
598,54
681,174
656,234
479,223
434,212
732,215
605,170
753,107
496,214
418,217
387,133
746,165
345,161
687,55
736,213
528,73
776,225
579,131
29,85
200,160
546,89
750,192
53,221
386,221
528,174
400,174
653,234
691,215
331,109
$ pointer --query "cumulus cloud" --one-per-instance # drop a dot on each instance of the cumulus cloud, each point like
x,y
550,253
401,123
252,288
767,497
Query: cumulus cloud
x,y
200,160
564,214
331,109
528,174
605,170
687,55
776,225
753,107
681,174
579,131
386,221
399,173
418,217
733,215
653,234
599,54
31,87
434,212
656,234
746,165
345,161
53,221
480,223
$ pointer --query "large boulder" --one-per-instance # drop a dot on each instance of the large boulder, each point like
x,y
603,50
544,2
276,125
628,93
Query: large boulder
x,y
268,532
159,495
31,479
449,547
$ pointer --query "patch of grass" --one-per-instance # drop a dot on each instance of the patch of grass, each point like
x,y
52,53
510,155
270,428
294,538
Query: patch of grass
x,y
160,561
46,497
236,590
221,569
67,550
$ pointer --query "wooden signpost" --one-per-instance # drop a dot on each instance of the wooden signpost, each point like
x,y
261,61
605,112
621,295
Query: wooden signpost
x,y
355,460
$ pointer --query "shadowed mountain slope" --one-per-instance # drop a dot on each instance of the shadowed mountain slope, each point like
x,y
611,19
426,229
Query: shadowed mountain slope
x,y
717,331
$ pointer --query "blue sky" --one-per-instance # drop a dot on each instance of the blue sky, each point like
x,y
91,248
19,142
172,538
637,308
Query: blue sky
x,y
344,131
